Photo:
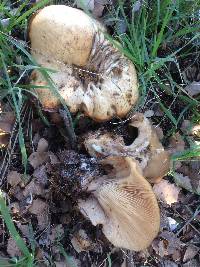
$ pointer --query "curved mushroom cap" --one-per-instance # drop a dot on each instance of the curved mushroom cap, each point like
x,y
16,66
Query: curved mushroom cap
x,y
56,31
132,216
146,148
92,76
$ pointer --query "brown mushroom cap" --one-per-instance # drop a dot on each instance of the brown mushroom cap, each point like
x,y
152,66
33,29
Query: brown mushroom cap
x,y
146,148
132,216
92,76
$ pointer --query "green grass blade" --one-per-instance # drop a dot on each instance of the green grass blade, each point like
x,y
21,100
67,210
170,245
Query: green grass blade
x,y
11,227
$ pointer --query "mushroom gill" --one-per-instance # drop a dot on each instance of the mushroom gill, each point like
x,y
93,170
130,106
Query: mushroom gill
x,y
91,75
146,148
131,217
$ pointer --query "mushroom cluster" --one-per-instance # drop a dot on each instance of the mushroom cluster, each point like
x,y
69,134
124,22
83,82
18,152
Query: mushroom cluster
x,y
92,76
123,200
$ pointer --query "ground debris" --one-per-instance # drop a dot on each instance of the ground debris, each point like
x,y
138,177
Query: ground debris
x,y
166,192
41,209
14,178
12,248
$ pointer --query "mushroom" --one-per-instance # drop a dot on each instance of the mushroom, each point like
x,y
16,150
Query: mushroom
x,y
92,76
124,203
146,148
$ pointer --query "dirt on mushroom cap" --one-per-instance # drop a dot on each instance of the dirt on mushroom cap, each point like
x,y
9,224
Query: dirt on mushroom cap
x,y
92,76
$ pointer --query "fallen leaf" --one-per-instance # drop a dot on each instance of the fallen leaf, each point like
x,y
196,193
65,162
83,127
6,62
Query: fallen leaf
x,y
192,263
14,178
193,89
176,144
168,263
56,232
24,228
33,189
41,155
41,210
40,174
190,252
42,146
182,181
81,241
166,192
12,248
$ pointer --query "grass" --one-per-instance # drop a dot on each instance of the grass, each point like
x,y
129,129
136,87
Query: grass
x,y
149,42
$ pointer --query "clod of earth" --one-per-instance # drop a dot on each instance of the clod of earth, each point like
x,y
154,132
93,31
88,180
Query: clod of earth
x,y
146,149
124,203
92,76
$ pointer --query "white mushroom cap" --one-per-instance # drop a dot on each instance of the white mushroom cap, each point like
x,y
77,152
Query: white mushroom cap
x,y
69,41
146,148
132,216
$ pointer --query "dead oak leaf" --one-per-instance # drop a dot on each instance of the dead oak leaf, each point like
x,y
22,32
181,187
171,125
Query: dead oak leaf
x,y
166,192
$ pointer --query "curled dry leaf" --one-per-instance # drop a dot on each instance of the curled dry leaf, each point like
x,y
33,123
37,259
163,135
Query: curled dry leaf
x,y
127,205
166,192
103,84
41,210
146,148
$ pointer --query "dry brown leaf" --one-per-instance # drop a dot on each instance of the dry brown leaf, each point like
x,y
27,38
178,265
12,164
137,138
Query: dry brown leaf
x,y
190,252
166,192
34,189
193,89
41,210
81,241
56,232
192,263
42,146
24,228
13,249
41,155
168,245
177,143
40,174
167,263
14,178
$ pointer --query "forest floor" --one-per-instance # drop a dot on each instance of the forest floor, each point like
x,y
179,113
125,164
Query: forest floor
x,y
40,223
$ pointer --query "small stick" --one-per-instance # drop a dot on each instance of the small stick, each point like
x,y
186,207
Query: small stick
x,y
69,127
